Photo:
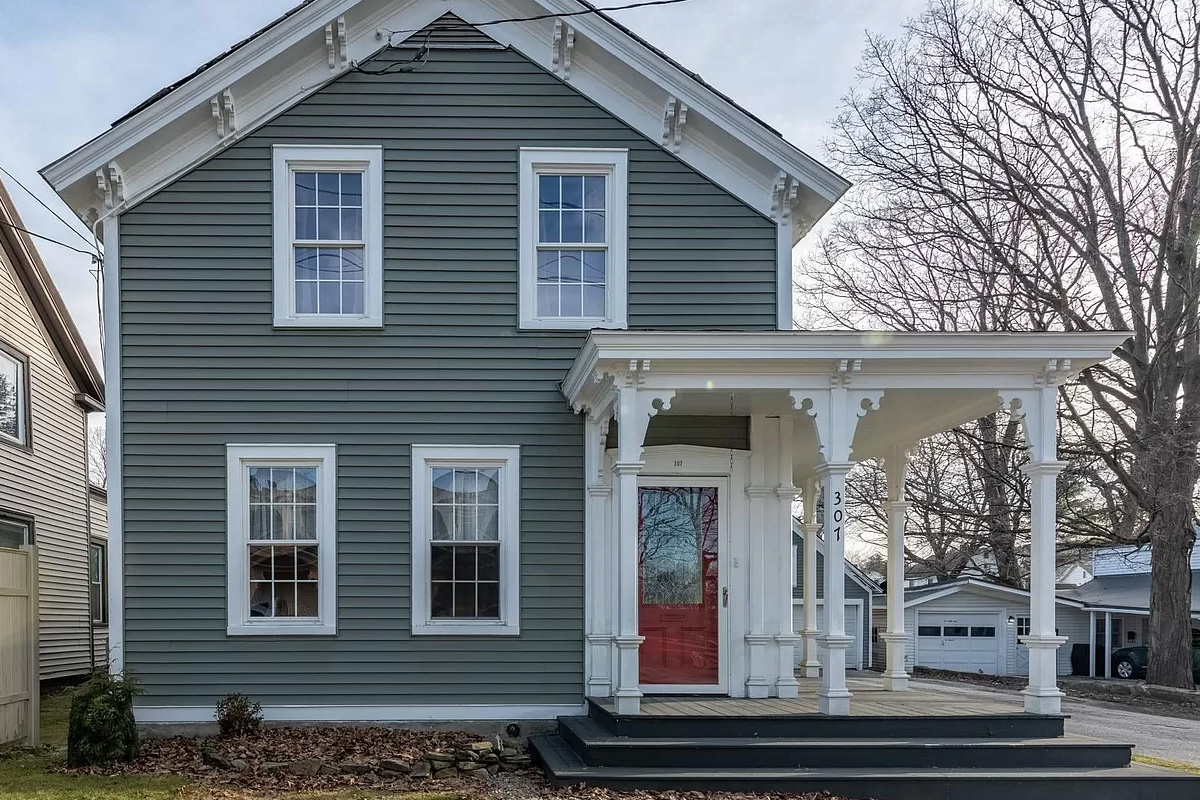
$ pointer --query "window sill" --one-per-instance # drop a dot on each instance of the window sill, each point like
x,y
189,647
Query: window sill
x,y
472,628
372,323
276,629
565,324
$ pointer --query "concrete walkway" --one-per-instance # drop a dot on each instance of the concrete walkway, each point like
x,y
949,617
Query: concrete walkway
x,y
1151,734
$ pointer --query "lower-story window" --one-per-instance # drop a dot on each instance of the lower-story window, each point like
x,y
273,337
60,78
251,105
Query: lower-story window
x,y
98,594
466,547
282,539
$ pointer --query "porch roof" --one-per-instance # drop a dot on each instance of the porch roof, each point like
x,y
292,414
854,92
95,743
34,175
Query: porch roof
x,y
925,383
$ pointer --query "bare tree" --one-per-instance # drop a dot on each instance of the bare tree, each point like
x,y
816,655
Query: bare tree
x,y
1034,164
97,458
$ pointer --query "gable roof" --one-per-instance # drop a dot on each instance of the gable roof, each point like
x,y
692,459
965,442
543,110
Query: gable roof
x,y
48,304
318,41
853,572
1125,591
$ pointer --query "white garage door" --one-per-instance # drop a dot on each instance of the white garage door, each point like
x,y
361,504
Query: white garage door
x,y
960,642
854,656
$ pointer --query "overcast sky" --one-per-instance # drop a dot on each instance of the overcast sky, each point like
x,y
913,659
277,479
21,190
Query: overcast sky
x,y
68,68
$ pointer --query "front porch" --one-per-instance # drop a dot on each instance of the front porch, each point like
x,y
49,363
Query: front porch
x,y
872,699
689,563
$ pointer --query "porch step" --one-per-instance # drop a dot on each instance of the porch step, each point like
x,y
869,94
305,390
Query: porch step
x,y
1017,725
599,747
564,767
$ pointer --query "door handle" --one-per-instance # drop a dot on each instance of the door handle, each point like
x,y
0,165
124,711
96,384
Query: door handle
x,y
725,597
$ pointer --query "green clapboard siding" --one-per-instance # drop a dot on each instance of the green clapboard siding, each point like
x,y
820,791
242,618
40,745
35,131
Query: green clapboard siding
x,y
202,367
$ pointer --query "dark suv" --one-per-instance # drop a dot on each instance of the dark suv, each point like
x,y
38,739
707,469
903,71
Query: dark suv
x,y
1131,662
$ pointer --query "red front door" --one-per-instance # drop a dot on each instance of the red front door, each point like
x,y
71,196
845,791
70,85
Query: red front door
x,y
678,592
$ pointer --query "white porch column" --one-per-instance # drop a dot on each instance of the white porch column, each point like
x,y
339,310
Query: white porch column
x,y
833,697
598,574
1038,408
786,638
1091,644
810,666
634,409
757,638
895,678
1108,648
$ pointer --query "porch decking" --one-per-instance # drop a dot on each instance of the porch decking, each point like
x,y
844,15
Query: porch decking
x,y
870,700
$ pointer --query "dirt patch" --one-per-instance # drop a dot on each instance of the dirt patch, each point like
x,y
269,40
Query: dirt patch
x,y
320,758
995,681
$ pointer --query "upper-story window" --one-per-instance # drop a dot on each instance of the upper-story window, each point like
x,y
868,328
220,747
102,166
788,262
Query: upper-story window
x,y
573,238
14,397
328,236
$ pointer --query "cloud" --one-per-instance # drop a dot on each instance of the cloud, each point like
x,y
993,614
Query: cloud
x,y
71,67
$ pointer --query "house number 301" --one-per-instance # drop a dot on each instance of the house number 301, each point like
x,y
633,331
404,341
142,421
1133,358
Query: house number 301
x,y
838,515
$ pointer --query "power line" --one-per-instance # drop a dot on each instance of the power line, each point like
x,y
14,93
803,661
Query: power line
x,y
537,17
8,224
17,181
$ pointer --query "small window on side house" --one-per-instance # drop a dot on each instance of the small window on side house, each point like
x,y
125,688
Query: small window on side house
x,y
466,543
15,531
282,539
328,222
14,397
98,594
1023,626
574,216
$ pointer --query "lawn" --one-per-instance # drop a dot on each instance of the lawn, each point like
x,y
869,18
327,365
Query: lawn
x,y
28,775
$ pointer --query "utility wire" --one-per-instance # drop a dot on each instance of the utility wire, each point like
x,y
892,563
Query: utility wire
x,y
8,224
41,202
537,17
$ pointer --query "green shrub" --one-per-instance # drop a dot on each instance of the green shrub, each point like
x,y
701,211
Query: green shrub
x,y
100,726
238,715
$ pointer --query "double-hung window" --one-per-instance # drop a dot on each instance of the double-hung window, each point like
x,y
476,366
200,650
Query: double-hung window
x,y
14,397
98,591
466,545
328,236
573,238
282,548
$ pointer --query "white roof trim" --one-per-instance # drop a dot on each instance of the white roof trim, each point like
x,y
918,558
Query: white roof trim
x,y
971,583
290,61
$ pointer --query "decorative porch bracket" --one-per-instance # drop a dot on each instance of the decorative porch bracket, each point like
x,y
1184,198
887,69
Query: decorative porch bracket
x,y
836,412
1037,409
895,677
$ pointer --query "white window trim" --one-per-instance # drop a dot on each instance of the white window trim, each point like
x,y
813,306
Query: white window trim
x,y
22,393
100,585
238,458
508,458
288,159
613,163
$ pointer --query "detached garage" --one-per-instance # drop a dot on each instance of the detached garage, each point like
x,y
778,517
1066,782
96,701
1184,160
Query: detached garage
x,y
960,642
973,625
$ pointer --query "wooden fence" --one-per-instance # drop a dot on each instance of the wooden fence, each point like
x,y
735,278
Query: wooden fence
x,y
19,645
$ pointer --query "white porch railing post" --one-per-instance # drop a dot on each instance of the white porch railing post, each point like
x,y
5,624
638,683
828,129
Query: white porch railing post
x,y
1091,644
1108,644
895,678
1038,409
634,409
834,697
786,639
810,666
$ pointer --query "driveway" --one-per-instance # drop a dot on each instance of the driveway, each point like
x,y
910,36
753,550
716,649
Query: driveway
x,y
1173,738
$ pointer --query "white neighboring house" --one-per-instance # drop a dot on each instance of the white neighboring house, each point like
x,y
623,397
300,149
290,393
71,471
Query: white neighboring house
x,y
48,387
973,625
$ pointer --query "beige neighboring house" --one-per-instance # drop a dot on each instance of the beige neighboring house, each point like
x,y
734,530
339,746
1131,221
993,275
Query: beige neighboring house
x,y
48,387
